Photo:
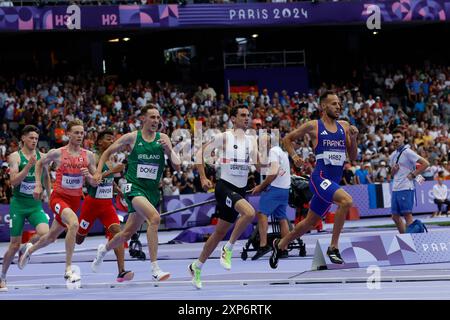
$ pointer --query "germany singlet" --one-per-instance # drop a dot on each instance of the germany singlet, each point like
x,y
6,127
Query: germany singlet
x,y
235,159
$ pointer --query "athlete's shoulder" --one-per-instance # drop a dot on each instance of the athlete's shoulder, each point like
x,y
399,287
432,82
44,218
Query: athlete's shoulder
x,y
344,123
14,157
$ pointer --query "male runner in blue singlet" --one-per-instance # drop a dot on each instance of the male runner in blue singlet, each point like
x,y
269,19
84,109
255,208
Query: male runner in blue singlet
x,y
332,140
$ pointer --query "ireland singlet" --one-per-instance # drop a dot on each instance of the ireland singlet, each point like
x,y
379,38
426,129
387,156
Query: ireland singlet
x,y
23,205
26,187
105,189
145,168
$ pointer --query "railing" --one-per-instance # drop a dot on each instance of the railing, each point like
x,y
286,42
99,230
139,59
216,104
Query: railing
x,y
264,59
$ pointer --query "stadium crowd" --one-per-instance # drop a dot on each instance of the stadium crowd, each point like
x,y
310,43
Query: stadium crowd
x,y
377,100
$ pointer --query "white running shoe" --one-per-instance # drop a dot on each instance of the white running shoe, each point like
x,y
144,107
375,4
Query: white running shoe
x,y
25,257
159,275
101,253
72,276
3,287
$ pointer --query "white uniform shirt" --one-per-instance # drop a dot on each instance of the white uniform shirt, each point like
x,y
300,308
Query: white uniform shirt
x,y
440,191
235,161
407,164
283,180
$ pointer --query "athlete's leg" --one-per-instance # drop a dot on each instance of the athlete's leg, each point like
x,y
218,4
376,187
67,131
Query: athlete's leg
x,y
134,222
70,219
219,233
147,211
344,202
262,228
55,230
118,251
300,229
247,213
14,246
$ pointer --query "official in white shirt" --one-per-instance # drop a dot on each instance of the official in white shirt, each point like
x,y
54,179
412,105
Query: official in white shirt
x,y
440,193
274,194
403,162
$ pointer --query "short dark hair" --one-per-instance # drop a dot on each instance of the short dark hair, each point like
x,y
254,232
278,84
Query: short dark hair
x,y
234,110
30,128
398,130
149,106
325,95
102,134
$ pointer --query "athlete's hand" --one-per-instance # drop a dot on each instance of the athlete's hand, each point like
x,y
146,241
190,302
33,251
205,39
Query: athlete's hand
x,y
32,161
98,177
166,145
353,132
206,184
298,161
37,193
85,172
257,190
395,169
118,168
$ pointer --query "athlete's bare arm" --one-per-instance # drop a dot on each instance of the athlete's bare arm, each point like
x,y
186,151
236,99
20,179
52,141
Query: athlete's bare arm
x,y
47,180
52,155
88,173
168,150
17,177
352,142
309,128
126,140
200,165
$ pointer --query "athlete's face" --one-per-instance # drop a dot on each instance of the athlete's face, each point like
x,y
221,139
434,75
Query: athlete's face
x,y
332,107
152,119
398,140
242,119
30,140
76,135
106,141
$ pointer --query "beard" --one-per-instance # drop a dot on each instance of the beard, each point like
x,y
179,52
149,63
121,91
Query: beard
x,y
332,115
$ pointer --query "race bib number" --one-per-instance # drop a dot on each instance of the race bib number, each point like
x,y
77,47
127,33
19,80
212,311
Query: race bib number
x,y
126,187
72,182
325,184
104,192
239,169
334,158
27,187
84,224
147,171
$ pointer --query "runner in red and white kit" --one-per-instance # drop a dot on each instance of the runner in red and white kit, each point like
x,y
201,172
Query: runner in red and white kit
x,y
74,164
98,204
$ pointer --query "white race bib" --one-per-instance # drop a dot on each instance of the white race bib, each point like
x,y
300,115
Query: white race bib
x,y
147,171
104,192
238,169
334,158
126,187
27,187
72,182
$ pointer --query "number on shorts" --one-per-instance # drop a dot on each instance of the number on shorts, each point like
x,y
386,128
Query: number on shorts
x,y
325,184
